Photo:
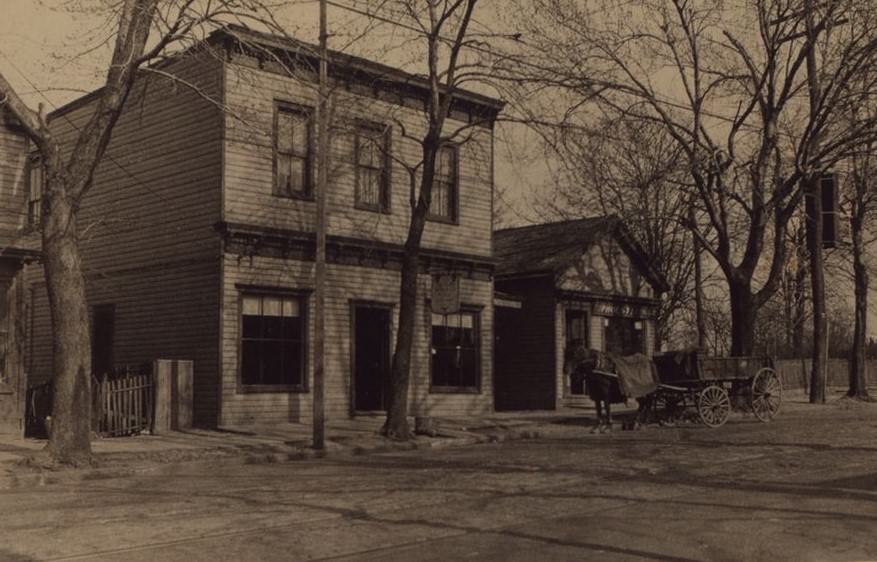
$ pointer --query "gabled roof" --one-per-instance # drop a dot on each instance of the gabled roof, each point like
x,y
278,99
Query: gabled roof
x,y
551,248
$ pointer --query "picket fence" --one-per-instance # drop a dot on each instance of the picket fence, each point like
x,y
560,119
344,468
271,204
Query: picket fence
x,y
125,403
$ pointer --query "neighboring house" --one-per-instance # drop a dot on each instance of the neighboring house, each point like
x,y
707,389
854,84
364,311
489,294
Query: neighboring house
x,y
579,282
198,233
17,245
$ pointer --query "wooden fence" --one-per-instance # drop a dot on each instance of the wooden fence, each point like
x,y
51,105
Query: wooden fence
x,y
125,402
795,373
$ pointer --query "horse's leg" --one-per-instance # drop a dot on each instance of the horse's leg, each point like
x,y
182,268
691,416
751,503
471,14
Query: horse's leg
x,y
599,406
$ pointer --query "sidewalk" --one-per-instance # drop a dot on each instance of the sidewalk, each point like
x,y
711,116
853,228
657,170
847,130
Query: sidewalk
x,y
120,456
268,443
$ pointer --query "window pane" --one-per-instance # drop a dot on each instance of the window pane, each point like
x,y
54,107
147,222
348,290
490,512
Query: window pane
x,y
441,365
291,308
285,131
439,204
292,364
292,329
468,368
370,186
251,305
272,327
300,135
251,327
250,361
272,369
296,182
271,306
284,173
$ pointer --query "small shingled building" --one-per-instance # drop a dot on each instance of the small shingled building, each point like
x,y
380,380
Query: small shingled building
x,y
584,281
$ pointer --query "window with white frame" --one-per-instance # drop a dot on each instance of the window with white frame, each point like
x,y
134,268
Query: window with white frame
x,y
35,181
443,204
272,341
292,151
371,150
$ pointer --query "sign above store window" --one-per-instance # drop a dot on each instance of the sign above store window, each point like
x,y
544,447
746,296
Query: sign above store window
x,y
445,293
623,310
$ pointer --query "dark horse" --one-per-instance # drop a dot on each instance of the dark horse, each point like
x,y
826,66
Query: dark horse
x,y
603,388
603,385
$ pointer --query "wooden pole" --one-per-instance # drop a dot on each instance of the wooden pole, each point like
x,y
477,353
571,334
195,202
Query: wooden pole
x,y
320,265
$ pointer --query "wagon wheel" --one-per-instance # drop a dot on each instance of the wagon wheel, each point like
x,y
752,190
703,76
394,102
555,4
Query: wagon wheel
x,y
767,394
713,405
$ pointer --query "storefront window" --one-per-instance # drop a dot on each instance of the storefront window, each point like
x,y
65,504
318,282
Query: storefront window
x,y
455,345
624,336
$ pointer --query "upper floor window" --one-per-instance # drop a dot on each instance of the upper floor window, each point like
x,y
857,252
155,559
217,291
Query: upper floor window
x,y
371,150
272,342
35,181
443,205
292,151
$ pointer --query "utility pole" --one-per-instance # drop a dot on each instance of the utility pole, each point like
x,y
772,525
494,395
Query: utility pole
x,y
319,438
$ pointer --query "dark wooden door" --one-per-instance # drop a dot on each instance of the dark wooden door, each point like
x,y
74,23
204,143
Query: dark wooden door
x,y
371,357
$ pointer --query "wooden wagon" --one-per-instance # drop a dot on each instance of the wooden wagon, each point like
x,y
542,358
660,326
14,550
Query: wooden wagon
x,y
712,386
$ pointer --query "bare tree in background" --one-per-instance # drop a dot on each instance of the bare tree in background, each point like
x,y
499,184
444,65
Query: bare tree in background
x,y
630,168
729,83
143,30
861,200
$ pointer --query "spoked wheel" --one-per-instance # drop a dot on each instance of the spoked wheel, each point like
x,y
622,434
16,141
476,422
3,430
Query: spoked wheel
x,y
767,394
713,405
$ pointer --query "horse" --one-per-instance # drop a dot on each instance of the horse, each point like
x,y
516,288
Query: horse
x,y
603,386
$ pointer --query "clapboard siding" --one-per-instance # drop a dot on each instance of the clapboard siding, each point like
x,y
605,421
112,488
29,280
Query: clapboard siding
x,y
151,322
13,181
156,194
345,284
527,380
148,240
251,93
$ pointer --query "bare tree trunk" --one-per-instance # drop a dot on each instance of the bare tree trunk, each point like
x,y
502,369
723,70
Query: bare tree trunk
x,y
396,426
858,387
69,437
743,315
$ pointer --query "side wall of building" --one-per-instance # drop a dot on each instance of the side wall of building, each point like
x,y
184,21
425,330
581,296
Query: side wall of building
x,y
150,251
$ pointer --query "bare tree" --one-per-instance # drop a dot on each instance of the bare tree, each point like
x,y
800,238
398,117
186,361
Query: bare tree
x,y
143,30
630,168
861,200
729,83
442,29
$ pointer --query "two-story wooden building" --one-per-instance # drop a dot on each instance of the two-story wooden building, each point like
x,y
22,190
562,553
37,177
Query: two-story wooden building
x,y
198,234
17,245
571,283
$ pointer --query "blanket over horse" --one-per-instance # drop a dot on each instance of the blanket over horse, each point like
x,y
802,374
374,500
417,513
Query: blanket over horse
x,y
636,374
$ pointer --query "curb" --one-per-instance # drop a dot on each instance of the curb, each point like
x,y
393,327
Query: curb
x,y
231,457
